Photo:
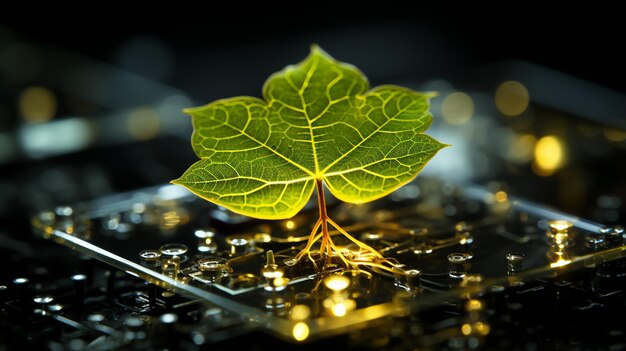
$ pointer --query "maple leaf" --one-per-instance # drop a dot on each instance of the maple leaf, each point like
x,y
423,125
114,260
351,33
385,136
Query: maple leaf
x,y
318,123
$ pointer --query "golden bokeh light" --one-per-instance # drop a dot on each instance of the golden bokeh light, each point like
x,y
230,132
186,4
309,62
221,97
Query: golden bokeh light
x,y
290,224
473,305
478,328
37,104
299,312
512,98
521,149
466,329
549,155
457,108
482,328
501,196
338,306
143,123
280,282
336,282
300,331
339,309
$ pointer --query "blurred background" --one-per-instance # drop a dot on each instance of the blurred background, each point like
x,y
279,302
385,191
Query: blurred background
x,y
532,98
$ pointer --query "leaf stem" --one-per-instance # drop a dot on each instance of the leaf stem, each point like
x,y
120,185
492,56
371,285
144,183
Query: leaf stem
x,y
375,261
321,202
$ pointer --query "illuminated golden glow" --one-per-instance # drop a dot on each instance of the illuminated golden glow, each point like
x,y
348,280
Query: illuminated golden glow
x,y
290,224
549,156
300,331
521,149
560,239
615,134
336,282
37,104
280,281
143,123
478,328
512,98
501,196
560,263
558,226
473,305
481,328
272,273
262,238
339,309
457,108
339,306
299,312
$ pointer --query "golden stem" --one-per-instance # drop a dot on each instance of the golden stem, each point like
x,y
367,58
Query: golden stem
x,y
341,256
358,242
312,239
313,236
321,202
328,246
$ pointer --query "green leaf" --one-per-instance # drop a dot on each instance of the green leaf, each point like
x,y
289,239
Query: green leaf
x,y
318,121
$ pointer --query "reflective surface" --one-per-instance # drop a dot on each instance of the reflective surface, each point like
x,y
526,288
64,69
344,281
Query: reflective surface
x,y
250,270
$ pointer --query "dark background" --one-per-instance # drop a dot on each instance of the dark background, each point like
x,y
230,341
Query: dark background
x,y
583,41
221,52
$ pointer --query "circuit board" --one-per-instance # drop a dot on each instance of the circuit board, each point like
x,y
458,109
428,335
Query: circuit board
x,y
456,243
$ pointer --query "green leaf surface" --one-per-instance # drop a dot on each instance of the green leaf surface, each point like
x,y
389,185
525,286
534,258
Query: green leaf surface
x,y
317,120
